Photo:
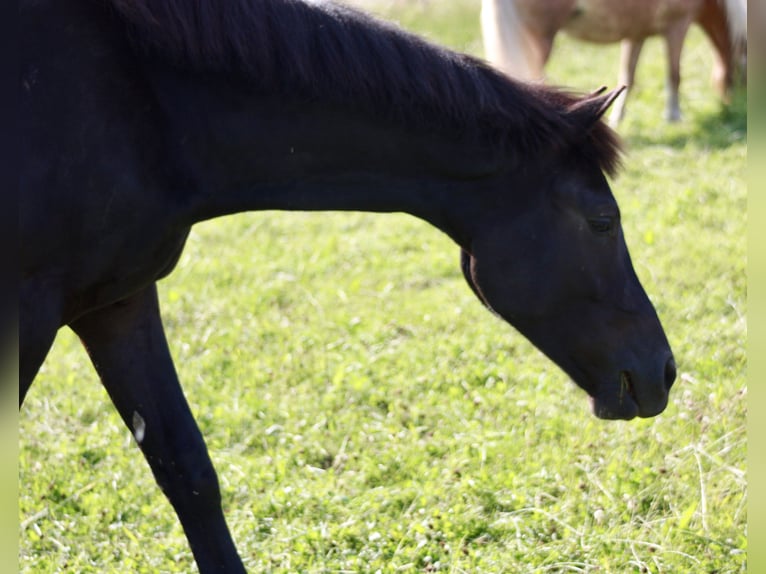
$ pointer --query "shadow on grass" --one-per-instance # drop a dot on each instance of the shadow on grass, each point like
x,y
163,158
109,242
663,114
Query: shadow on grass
x,y
717,129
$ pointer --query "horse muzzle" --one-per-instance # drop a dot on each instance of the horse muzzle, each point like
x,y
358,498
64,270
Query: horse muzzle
x,y
637,393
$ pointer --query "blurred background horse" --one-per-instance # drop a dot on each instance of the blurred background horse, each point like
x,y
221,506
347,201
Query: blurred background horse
x,y
519,34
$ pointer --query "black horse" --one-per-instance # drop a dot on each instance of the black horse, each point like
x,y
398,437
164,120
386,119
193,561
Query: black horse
x,y
143,118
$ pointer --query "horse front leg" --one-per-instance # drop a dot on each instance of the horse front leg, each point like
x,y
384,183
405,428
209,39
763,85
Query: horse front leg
x,y
127,345
630,50
674,39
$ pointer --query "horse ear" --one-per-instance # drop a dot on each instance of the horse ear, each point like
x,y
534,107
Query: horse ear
x,y
597,92
587,111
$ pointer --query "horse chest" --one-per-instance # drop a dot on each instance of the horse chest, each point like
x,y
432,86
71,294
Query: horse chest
x,y
124,264
107,258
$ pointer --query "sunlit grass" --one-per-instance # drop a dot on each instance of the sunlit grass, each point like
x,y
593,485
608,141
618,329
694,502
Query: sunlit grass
x,y
366,414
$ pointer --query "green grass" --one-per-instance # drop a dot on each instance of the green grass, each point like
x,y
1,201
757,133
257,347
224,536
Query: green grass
x,y
366,414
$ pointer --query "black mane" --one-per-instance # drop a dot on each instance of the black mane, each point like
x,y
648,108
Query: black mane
x,y
328,51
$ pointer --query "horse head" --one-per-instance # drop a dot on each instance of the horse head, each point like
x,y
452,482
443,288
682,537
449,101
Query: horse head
x,y
550,258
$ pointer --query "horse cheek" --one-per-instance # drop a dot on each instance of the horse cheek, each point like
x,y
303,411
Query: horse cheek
x,y
513,281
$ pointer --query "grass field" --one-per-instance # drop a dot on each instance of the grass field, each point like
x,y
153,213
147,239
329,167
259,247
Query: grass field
x,y
367,414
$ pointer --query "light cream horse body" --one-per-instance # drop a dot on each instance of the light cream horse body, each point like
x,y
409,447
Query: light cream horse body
x,y
518,35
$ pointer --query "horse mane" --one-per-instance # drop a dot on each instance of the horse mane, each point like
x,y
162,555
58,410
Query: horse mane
x,y
316,50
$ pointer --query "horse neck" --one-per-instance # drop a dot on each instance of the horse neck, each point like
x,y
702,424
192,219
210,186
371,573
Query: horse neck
x,y
245,152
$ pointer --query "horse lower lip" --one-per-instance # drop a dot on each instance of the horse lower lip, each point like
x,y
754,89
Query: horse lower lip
x,y
620,409
622,405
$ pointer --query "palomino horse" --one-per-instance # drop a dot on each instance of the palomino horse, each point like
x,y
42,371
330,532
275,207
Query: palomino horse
x,y
143,118
518,36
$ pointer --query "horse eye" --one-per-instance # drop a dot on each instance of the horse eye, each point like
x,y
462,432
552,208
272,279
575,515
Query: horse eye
x,y
602,225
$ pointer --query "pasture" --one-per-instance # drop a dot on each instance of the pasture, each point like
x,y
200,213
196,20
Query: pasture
x,y
366,413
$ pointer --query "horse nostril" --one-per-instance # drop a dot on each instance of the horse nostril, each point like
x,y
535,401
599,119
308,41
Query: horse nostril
x,y
670,373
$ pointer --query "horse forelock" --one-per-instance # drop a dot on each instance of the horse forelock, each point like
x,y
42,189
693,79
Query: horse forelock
x,y
326,51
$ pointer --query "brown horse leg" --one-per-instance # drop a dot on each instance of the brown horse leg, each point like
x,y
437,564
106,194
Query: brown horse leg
x,y
712,20
675,40
630,50
127,345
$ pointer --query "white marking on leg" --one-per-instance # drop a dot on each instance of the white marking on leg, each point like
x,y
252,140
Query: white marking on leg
x,y
139,427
